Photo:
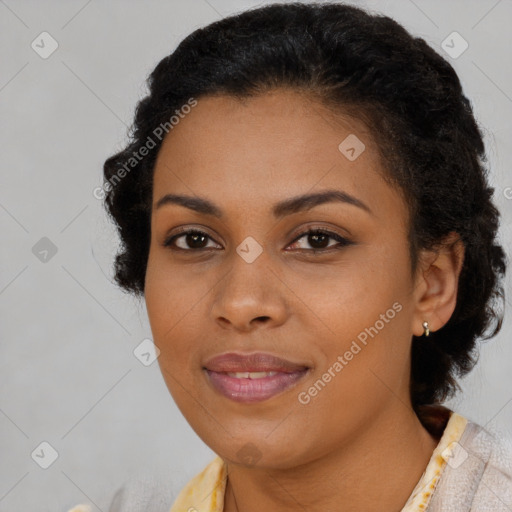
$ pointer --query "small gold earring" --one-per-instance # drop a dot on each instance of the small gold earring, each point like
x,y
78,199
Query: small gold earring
x,y
426,330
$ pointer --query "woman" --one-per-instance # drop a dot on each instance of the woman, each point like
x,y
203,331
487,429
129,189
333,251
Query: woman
x,y
305,210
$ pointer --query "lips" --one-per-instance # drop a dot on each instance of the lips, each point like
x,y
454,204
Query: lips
x,y
257,362
252,377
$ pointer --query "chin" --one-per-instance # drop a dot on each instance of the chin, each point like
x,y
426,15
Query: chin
x,y
262,451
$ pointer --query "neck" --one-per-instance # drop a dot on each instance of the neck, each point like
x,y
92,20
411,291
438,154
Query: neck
x,y
378,470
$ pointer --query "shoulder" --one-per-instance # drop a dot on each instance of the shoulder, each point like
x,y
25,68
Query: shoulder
x,y
478,472
145,491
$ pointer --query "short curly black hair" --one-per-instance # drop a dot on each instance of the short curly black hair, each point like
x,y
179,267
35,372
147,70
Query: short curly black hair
x,y
362,64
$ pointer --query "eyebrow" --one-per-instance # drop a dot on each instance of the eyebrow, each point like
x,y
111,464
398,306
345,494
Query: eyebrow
x,y
281,209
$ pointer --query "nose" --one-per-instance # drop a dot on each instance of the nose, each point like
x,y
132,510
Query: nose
x,y
250,295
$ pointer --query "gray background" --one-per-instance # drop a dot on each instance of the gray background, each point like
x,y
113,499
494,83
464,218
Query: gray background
x,y
68,373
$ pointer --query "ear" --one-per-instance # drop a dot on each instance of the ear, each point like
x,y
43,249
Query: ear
x,y
436,284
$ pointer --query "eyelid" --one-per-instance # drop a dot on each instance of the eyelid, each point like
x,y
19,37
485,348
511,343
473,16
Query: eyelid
x,y
318,226
184,230
342,240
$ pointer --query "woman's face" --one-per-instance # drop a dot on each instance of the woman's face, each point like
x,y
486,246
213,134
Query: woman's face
x,y
251,283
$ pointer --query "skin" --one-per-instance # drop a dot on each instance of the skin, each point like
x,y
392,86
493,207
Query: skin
x,y
357,445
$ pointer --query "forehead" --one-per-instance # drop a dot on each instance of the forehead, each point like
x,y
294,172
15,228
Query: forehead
x,y
264,148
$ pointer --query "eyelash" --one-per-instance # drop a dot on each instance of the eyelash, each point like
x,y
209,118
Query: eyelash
x,y
342,242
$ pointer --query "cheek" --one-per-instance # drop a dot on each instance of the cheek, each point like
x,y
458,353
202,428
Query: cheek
x,y
170,305
368,313
366,369
351,295
171,293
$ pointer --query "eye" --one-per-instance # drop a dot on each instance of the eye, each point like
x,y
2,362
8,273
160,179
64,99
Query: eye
x,y
319,240
192,239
